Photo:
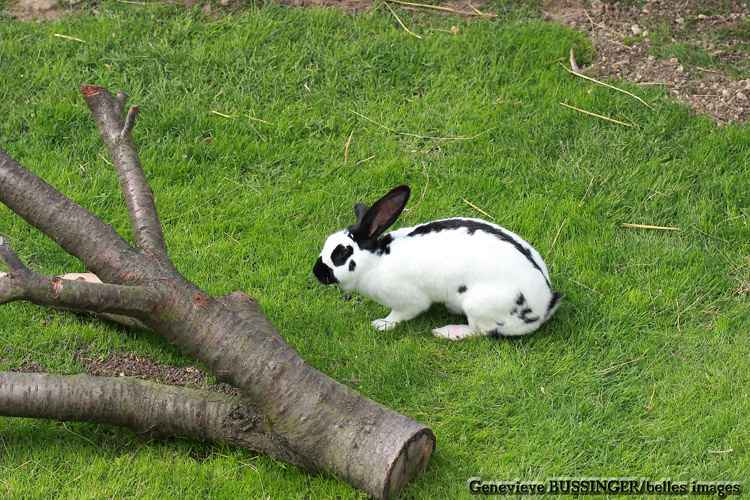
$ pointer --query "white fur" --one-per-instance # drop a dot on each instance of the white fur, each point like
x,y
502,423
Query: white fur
x,y
427,268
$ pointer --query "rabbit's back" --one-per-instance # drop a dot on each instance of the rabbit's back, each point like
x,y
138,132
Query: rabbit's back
x,y
473,249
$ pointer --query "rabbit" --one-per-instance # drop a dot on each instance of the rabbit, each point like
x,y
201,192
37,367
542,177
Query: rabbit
x,y
476,268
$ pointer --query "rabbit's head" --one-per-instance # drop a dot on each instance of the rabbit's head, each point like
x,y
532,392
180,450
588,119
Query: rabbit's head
x,y
349,253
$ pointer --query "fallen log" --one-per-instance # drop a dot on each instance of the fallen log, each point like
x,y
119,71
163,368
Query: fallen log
x,y
326,425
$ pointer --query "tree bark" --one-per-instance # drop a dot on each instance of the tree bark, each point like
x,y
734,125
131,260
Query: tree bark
x,y
151,410
333,427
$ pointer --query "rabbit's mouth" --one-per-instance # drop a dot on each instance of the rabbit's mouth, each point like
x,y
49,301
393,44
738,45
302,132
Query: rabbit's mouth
x,y
324,273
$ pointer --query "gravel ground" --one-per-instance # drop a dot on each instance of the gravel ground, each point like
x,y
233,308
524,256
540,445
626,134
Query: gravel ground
x,y
658,42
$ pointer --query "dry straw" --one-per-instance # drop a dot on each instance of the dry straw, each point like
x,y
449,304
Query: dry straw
x,y
646,226
596,115
579,72
418,136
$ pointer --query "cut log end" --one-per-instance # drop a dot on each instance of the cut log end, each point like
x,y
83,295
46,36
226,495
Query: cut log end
x,y
90,90
411,461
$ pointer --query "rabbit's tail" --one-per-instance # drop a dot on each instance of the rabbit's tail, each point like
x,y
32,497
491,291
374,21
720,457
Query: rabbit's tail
x,y
554,303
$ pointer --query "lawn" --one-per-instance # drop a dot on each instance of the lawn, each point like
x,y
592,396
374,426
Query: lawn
x,y
261,126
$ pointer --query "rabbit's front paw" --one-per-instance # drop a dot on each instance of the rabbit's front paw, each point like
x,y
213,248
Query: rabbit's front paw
x,y
383,324
454,332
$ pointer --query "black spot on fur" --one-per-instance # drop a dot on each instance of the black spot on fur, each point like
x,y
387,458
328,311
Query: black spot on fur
x,y
341,254
352,266
521,300
523,314
472,226
462,289
496,333
384,244
378,247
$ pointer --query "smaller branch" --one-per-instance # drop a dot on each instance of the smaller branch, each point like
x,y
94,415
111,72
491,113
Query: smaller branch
x,y
9,292
129,121
11,260
573,64
114,318
115,129
243,305
91,278
23,284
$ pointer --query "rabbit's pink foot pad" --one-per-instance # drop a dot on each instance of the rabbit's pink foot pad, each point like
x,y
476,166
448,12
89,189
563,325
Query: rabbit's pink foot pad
x,y
454,332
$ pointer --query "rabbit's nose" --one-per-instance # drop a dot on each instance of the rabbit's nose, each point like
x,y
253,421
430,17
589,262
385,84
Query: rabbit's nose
x,y
323,272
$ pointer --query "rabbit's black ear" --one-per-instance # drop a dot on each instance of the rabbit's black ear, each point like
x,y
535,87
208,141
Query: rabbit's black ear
x,y
381,215
360,209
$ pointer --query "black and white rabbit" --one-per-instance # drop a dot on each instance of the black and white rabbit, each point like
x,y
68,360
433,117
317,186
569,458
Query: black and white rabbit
x,y
476,268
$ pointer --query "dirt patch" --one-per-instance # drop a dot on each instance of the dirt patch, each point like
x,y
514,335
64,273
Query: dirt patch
x,y
27,367
127,364
40,9
349,5
698,50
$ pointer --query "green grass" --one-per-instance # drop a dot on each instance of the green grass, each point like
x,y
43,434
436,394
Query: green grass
x,y
643,371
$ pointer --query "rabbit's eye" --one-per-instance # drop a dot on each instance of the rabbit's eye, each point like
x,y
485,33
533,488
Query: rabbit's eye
x,y
340,254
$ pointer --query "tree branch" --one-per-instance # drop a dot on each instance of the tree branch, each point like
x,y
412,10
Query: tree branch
x,y
11,260
150,409
129,120
327,423
20,283
116,128
78,231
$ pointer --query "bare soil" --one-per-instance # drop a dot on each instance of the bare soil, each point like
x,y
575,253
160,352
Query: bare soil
x,y
627,37
127,364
